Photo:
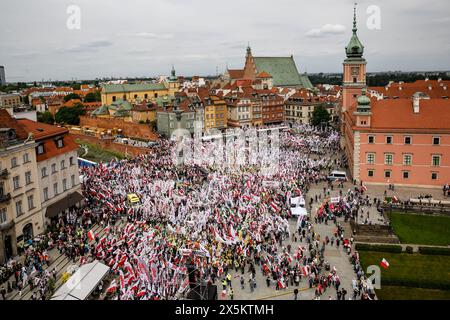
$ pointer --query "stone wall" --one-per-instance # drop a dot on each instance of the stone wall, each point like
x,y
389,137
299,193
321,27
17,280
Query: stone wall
x,y
108,144
129,129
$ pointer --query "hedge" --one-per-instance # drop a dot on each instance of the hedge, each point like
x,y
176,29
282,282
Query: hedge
x,y
378,247
435,251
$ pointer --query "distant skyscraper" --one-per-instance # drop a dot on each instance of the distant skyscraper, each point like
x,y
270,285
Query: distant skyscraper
x,y
2,76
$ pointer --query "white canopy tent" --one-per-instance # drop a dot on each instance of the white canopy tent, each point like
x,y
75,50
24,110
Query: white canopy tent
x,y
298,201
83,282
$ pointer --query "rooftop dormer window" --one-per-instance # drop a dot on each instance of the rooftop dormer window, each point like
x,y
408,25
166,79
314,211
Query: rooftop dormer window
x,y
60,143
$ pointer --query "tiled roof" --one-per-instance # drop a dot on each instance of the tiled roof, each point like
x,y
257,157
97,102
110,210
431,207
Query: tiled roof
x,y
432,88
6,121
398,114
236,73
41,130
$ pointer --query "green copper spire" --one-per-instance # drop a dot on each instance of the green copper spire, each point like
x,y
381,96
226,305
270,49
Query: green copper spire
x,y
355,49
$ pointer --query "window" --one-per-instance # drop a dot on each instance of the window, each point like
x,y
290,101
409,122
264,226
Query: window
x,y
19,208
28,177
30,199
436,141
3,216
63,164
389,140
26,158
40,149
407,159
53,167
388,158
64,182
371,139
60,143
16,182
44,172
146,96
370,173
405,174
55,188
45,194
436,161
156,95
71,162
407,140
370,158
72,180
114,98
13,162
434,176
387,174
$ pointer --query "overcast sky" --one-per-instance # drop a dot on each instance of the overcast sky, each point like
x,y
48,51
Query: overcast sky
x,y
145,37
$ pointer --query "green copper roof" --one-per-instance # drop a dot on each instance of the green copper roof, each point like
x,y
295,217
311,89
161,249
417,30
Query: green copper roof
x,y
283,70
354,49
120,105
363,102
103,110
122,88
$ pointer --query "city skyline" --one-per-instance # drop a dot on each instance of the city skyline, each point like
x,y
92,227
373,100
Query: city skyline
x,y
153,36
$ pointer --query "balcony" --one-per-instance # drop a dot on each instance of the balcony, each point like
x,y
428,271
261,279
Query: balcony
x,y
4,174
5,197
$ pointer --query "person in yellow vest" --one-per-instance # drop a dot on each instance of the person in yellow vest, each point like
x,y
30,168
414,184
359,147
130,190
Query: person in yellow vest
x,y
231,294
229,279
224,284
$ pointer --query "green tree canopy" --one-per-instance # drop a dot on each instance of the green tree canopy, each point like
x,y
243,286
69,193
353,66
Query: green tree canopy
x,y
71,96
70,115
93,97
45,117
320,115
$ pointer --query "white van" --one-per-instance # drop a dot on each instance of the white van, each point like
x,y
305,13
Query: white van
x,y
337,176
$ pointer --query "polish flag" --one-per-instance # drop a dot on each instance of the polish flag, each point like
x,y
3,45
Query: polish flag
x,y
306,270
274,206
249,185
395,199
141,293
246,198
364,188
91,235
113,287
384,263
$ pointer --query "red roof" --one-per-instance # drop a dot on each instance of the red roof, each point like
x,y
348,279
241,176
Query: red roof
x,y
6,121
236,73
45,133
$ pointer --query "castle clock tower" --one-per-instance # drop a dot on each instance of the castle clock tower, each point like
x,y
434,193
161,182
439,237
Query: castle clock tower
x,y
354,79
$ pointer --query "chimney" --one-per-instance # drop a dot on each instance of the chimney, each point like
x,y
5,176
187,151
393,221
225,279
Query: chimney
x,y
426,79
439,79
400,88
445,87
430,88
416,104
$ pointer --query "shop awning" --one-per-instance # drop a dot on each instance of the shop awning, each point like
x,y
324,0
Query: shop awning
x,y
68,201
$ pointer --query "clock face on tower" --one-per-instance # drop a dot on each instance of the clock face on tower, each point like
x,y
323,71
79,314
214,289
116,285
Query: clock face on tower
x,y
355,71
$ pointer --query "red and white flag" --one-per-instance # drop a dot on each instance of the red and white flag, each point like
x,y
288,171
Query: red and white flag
x,y
113,287
384,263
274,206
91,235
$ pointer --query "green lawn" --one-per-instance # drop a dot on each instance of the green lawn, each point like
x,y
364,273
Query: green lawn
x,y
408,293
411,270
97,154
421,229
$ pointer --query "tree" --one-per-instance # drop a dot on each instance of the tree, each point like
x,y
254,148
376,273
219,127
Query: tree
x,y
71,96
70,115
45,117
320,115
93,97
